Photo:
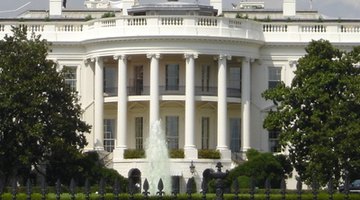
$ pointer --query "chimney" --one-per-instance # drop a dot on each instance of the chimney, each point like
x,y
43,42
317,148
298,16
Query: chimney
x,y
289,8
55,8
217,4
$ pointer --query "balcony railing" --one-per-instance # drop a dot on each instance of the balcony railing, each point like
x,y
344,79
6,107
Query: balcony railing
x,y
166,90
135,26
306,31
193,26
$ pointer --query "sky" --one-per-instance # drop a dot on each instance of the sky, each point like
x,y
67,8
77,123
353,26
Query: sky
x,y
333,8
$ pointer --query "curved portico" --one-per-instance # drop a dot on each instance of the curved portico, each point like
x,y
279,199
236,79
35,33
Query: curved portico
x,y
148,80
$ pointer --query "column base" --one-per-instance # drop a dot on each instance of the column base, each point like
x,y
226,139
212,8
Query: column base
x,y
243,152
225,154
99,148
118,154
191,153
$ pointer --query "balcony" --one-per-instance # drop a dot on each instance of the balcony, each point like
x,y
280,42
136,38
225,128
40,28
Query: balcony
x,y
180,90
138,26
292,32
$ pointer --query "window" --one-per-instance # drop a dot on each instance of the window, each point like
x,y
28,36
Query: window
x,y
70,77
274,141
172,77
139,132
274,76
205,129
109,134
205,78
110,81
234,82
172,131
235,130
139,79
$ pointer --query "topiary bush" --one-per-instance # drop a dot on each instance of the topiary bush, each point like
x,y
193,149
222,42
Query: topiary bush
x,y
208,154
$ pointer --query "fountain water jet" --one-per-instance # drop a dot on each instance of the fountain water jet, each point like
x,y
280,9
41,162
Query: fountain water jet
x,y
158,159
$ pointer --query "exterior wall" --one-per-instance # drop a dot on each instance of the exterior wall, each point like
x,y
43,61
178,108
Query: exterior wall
x,y
217,42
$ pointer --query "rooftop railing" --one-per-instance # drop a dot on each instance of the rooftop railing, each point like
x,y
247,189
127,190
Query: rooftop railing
x,y
189,26
137,26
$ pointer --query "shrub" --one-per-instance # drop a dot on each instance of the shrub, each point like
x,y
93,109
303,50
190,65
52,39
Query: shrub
x,y
108,14
176,153
134,153
208,154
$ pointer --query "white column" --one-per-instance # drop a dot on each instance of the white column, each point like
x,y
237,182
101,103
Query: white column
x,y
190,148
222,135
121,139
154,88
245,103
99,105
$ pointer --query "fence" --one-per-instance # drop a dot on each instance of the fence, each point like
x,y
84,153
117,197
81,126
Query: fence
x,y
219,176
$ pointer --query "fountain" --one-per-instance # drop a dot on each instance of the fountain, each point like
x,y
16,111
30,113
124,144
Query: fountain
x,y
158,159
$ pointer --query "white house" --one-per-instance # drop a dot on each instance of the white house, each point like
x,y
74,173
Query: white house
x,y
198,68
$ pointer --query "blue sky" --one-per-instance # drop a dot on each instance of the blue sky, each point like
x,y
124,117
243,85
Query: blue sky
x,y
333,8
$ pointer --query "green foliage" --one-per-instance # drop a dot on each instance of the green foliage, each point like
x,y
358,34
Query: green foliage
x,y
88,18
260,166
243,196
108,14
87,166
176,153
319,113
134,153
39,113
208,154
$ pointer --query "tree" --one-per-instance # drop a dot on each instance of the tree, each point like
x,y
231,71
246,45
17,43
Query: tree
x,y
39,113
261,166
318,114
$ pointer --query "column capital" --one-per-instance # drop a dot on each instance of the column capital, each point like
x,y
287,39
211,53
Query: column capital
x,y
153,55
249,59
120,57
293,63
191,55
222,57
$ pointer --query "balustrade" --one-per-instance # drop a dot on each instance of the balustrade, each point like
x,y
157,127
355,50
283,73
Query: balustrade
x,y
313,28
193,25
350,29
172,21
275,28
129,191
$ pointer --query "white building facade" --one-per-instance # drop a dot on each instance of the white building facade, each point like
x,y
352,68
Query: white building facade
x,y
202,75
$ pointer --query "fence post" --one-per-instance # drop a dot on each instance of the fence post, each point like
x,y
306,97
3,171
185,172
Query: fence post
x,y
102,189
236,189
283,189
267,189
160,188
2,185
146,189
87,189
58,189
72,189
252,188
189,186
314,187
347,184
299,188
43,188
331,189
219,176
116,189
28,189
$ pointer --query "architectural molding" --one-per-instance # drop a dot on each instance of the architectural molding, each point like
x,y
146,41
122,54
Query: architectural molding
x,y
191,55
153,55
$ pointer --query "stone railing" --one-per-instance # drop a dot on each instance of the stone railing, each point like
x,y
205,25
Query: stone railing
x,y
134,26
190,26
307,31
